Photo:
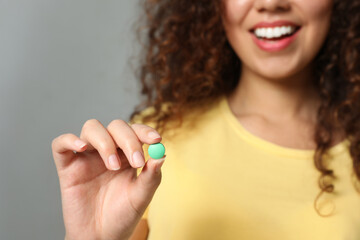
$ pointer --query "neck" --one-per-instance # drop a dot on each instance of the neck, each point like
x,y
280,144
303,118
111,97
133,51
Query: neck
x,y
279,100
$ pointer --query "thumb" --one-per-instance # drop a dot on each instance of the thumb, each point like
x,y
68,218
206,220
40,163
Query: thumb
x,y
143,188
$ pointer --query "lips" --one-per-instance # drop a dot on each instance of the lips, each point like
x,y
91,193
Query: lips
x,y
274,36
274,24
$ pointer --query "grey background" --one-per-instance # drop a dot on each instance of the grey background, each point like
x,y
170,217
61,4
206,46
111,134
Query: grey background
x,y
61,63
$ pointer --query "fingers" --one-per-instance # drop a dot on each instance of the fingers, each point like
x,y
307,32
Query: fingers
x,y
146,134
94,136
63,147
143,188
97,137
131,138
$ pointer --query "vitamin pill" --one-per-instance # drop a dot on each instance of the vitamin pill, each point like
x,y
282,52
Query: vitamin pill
x,y
156,150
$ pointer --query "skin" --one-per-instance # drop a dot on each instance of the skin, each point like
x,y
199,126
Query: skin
x,y
96,197
98,200
141,231
283,76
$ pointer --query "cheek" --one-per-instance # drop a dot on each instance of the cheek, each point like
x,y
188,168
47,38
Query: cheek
x,y
317,14
235,10
315,9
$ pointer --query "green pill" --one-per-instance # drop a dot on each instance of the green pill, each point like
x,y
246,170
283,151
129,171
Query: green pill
x,y
156,150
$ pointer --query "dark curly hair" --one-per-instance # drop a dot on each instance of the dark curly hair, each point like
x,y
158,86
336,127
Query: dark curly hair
x,y
189,63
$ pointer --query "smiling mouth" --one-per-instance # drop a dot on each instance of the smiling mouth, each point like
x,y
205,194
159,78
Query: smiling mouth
x,y
275,33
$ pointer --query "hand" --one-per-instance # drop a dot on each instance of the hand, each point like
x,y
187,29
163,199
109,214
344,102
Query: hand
x,y
99,200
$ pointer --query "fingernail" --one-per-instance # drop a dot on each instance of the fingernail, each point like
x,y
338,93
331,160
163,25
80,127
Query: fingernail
x,y
138,159
154,135
114,162
80,144
158,166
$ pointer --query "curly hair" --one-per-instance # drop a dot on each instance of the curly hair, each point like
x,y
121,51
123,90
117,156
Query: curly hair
x,y
189,63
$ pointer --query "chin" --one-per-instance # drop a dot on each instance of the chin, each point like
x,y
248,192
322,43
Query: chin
x,y
277,73
278,68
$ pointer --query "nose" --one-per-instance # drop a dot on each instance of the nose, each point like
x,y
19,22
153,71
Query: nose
x,y
272,5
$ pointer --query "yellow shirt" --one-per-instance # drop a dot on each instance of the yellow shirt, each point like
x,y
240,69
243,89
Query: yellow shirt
x,y
220,181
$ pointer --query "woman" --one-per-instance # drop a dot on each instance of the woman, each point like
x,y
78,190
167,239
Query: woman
x,y
257,104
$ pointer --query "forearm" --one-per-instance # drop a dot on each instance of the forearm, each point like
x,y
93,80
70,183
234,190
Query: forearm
x,y
141,231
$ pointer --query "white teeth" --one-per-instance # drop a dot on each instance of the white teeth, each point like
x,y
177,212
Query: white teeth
x,y
277,32
274,32
269,33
